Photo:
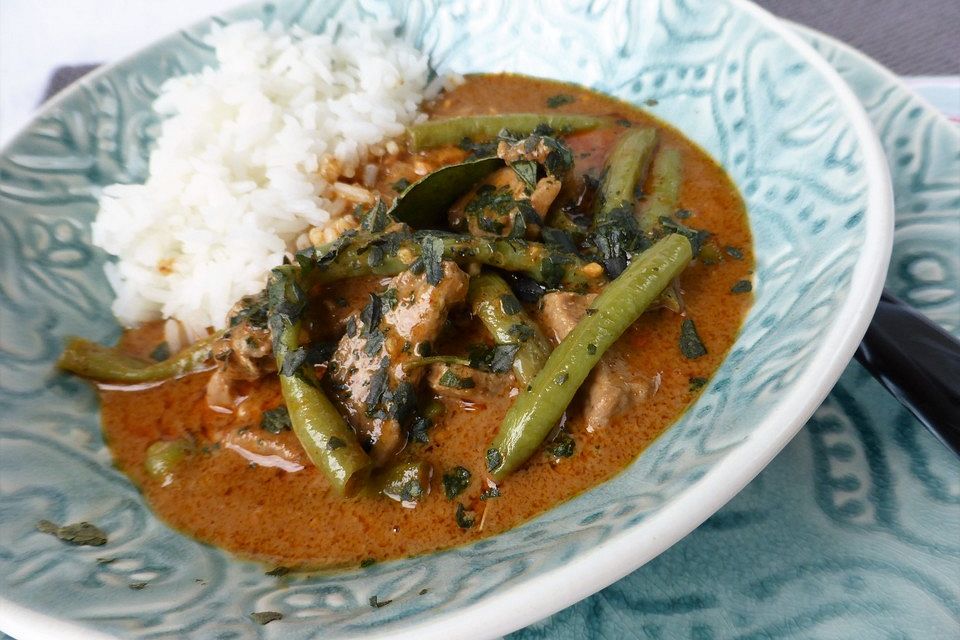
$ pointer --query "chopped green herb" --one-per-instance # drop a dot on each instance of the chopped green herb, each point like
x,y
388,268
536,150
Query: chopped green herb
x,y
422,592
561,378
137,586
559,100
592,349
492,492
464,521
275,420
494,458
696,236
278,572
103,561
452,380
741,286
526,170
266,617
376,604
683,214
511,306
419,429
697,383
292,361
522,331
367,562
335,443
431,252
562,447
377,219
651,102
161,352
690,343
455,482
80,534
734,253
496,359
411,491
400,185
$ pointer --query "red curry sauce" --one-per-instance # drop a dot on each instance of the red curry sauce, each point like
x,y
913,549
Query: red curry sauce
x,y
294,519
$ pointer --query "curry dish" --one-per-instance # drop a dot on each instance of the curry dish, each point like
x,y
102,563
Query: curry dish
x,y
546,282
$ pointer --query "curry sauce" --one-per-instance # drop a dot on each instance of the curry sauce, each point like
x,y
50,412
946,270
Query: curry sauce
x,y
256,494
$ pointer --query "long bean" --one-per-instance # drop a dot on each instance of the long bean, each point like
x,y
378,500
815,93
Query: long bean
x,y
107,364
543,264
324,435
486,296
662,199
626,168
436,133
538,409
405,482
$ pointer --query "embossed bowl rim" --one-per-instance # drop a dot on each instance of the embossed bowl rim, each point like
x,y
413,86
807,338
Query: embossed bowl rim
x,y
518,605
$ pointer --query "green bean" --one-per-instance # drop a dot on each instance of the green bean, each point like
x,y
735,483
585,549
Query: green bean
x,y
486,299
107,364
330,444
436,133
162,456
542,263
665,194
626,168
405,482
538,409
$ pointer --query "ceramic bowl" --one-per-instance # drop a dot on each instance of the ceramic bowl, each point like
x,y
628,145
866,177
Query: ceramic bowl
x,y
758,99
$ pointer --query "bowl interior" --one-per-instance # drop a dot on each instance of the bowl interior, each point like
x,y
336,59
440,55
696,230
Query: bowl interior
x,y
718,72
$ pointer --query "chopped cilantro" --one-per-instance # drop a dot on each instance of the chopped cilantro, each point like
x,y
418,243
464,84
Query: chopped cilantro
x,y
266,617
494,459
690,343
464,521
734,253
496,359
161,352
510,304
431,252
562,447
452,380
526,170
455,482
79,534
492,492
559,100
697,383
275,420
741,286
377,219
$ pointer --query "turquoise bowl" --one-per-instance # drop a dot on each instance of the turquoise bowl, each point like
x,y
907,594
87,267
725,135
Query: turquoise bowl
x,y
735,80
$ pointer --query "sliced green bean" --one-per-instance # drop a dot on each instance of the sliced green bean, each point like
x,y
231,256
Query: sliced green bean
x,y
162,456
539,408
627,167
405,482
107,364
486,295
663,198
444,131
544,264
329,442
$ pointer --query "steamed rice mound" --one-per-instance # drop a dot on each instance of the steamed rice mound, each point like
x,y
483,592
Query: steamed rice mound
x,y
251,156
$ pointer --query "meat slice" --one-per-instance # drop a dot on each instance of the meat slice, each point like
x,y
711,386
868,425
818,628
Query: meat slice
x,y
243,353
613,386
492,207
459,381
367,372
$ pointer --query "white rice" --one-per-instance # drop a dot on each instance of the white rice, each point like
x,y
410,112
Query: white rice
x,y
235,178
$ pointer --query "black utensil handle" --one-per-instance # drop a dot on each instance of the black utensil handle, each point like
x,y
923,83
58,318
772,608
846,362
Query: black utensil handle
x,y
918,363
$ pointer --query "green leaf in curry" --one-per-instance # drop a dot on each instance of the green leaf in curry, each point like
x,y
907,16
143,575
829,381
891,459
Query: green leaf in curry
x,y
424,204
